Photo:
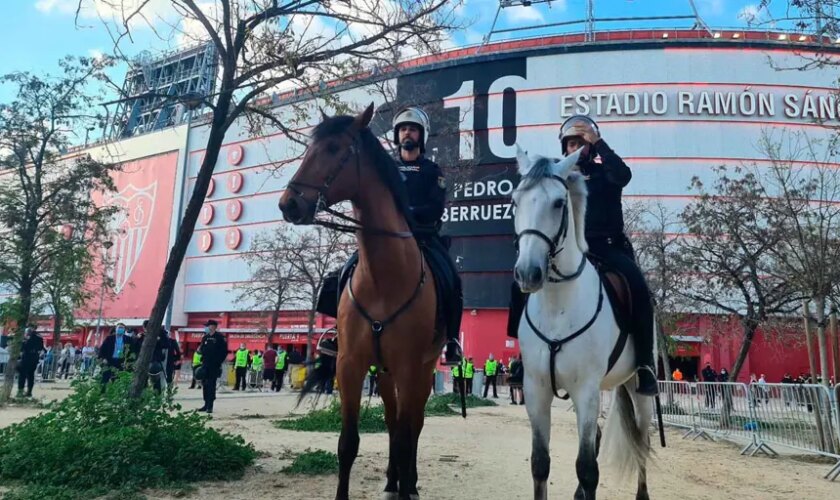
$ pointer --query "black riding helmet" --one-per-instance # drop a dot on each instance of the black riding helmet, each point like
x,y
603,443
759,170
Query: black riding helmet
x,y
567,130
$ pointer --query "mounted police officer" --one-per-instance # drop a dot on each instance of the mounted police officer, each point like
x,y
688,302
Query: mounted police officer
x,y
426,187
606,175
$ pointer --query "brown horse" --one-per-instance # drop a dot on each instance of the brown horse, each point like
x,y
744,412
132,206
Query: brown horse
x,y
386,314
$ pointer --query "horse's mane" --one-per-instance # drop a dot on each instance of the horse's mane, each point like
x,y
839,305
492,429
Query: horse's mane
x,y
385,165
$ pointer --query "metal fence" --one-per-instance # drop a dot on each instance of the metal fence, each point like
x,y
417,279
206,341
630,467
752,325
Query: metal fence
x,y
760,416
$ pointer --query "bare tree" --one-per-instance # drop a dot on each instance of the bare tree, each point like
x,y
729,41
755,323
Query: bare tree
x,y
313,254
42,191
802,193
273,284
727,256
265,45
656,241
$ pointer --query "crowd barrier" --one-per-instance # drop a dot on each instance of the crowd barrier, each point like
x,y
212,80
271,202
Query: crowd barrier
x,y
799,416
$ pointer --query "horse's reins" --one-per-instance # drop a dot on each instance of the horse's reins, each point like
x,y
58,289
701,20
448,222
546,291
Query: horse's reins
x,y
321,202
377,326
556,345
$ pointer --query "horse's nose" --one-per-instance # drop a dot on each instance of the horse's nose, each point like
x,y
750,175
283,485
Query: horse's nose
x,y
530,278
291,210
535,275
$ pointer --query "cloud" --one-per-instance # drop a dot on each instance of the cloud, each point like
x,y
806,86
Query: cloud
x,y
711,7
60,6
524,14
154,12
96,53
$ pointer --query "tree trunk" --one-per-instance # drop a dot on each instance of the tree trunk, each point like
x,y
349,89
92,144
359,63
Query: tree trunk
x,y
56,341
835,341
22,320
275,317
310,331
749,325
179,249
819,303
825,443
663,348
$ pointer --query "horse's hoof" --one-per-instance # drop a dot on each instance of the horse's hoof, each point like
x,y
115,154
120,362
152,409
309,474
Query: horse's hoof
x,y
414,497
390,495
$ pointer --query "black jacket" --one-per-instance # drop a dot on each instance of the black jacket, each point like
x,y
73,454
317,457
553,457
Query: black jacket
x,y
30,351
605,181
709,375
106,350
213,353
426,190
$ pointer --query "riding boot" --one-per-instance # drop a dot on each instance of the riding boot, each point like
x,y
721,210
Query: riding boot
x,y
515,309
643,345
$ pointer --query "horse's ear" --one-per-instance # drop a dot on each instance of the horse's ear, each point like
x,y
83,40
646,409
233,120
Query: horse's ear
x,y
522,160
324,115
568,163
363,119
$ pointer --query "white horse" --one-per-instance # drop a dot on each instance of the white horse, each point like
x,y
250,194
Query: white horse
x,y
568,332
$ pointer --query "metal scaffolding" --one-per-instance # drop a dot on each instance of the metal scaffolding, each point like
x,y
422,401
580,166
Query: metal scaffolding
x,y
589,21
155,87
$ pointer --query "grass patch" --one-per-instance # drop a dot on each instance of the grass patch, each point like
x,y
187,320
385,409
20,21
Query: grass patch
x,y
93,444
313,463
372,418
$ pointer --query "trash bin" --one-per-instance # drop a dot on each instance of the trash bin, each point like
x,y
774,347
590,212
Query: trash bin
x,y
297,376
478,383
440,382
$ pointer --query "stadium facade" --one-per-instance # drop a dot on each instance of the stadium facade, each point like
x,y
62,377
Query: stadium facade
x,y
673,103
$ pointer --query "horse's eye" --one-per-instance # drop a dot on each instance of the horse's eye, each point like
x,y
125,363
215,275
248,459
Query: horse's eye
x,y
559,203
332,148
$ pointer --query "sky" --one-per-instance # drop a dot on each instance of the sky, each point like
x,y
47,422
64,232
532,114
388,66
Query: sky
x,y
37,33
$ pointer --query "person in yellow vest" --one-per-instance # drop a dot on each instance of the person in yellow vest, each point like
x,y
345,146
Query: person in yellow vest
x,y
280,371
677,375
257,369
469,373
456,378
240,364
373,381
491,368
196,362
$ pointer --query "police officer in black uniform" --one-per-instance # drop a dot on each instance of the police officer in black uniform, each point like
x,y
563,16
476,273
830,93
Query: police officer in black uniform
x,y
213,350
426,186
605,236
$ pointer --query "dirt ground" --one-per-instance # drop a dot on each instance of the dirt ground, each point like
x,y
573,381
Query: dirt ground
x,y
485,455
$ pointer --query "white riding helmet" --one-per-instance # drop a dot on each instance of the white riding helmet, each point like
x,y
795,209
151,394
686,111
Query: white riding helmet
x,y
412,115
567,130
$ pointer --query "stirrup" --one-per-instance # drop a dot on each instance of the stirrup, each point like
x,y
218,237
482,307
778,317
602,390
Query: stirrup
x,y
459,353
327,349
655,388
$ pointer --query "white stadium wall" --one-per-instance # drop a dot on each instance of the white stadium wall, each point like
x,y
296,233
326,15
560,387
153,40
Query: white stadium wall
x,y
671,109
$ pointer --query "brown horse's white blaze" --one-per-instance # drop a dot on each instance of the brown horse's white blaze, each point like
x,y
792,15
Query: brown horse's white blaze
x,y
345,162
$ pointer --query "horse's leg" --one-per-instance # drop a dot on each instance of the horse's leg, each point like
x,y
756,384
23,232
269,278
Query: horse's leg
x,y
587,405
389,401
644,413
408,407
350,378
538,399
421,394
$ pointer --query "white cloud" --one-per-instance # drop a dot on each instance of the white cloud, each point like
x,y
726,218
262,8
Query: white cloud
x,y
60,6
750,14
711,7
96,53
524,14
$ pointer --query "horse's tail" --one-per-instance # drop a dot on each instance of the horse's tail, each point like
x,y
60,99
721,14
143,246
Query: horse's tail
x,y
626,445
316,379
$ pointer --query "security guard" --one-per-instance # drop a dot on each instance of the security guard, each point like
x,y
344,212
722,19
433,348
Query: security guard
x,y
257,366
196,362
240,364
456,378
491,367
373,381
469,374
280,371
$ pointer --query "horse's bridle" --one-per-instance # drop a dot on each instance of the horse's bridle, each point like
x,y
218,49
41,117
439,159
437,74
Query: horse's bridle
x,y
556,345
321,202
553,243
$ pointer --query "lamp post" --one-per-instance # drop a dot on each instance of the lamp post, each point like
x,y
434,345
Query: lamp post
x,y
106,245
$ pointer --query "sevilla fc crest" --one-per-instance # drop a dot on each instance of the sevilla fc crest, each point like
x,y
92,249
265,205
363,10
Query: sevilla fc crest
x,y
129,228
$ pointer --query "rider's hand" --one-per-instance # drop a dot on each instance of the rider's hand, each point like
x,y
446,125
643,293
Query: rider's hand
x,y
588,133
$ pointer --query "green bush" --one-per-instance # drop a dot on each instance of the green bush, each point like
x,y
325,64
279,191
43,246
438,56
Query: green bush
x,y
93,440
313,463
371,420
